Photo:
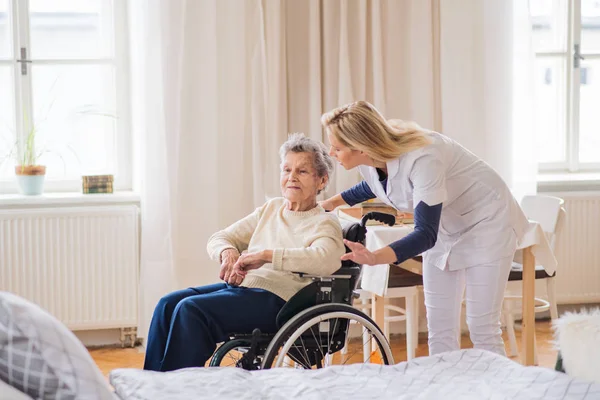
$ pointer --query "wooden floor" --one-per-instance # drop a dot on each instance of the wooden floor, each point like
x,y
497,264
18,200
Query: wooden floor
x,y
108,359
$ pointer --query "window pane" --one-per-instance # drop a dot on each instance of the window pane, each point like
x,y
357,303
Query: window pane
x,y
590,26
75,118
551,109
549,22
8,137
71,29
589,118
6,49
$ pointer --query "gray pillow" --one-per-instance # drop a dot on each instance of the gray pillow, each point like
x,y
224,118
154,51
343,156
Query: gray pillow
x,y
40,357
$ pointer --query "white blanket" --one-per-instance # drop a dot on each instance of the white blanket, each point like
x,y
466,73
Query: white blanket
x,y
464,374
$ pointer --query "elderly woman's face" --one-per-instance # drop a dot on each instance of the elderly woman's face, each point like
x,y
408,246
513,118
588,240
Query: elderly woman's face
x,y
299,179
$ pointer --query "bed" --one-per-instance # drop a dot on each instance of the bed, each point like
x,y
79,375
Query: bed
x,y
464,374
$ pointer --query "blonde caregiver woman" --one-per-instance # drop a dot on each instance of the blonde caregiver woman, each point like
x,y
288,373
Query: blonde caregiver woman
x,y
467,222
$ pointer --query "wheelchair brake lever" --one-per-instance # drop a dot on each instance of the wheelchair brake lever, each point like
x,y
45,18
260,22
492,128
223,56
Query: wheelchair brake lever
x,y
248,360
254,342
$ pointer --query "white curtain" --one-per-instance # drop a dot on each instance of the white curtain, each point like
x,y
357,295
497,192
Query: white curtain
x,y
218,85
487,85
209,112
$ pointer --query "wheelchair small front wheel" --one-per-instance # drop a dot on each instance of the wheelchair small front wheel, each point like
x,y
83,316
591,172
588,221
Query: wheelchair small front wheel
x,y
231,354
319,337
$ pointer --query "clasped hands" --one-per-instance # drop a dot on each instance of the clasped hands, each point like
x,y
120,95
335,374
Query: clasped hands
x,y
235,266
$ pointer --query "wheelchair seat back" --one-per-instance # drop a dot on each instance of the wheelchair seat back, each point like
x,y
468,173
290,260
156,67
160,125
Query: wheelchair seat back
x,y
335,289
354,233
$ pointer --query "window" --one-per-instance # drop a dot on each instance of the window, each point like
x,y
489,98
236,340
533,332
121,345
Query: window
x,y
64,73
566,40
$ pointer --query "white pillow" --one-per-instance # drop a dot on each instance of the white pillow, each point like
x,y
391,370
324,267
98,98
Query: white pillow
x,y
8,392
42,358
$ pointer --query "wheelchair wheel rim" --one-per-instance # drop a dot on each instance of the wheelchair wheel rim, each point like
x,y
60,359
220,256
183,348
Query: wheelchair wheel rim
x,y
365,322
224,353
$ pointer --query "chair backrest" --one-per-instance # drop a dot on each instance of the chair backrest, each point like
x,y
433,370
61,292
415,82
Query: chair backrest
x,y
548,211
560,224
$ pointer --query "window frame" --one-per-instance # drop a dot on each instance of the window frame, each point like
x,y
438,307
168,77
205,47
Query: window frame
x,y
19,11
572,163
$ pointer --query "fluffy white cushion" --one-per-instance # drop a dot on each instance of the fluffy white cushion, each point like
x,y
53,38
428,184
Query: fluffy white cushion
x,y
578,339
42,358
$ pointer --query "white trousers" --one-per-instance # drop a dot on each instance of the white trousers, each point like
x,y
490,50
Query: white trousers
x,y
485,285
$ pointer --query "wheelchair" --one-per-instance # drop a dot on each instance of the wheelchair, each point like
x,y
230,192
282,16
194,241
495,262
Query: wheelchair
x,y
314,325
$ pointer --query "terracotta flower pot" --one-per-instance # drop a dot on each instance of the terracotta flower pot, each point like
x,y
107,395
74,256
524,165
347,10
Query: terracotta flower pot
x,y
31,179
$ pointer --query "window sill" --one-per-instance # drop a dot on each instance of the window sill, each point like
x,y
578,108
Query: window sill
x,y
568,182
68,199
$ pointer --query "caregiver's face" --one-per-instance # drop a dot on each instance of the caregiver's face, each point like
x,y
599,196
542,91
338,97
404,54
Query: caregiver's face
x,y
345,156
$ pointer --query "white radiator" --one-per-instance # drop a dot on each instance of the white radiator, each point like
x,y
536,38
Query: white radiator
x,y
78,263
578,250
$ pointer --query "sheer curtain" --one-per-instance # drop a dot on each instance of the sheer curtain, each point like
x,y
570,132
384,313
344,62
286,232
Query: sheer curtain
x,y
219,84
487,85
209,113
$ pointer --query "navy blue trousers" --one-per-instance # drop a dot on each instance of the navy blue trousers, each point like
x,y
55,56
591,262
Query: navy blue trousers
x,y
188,324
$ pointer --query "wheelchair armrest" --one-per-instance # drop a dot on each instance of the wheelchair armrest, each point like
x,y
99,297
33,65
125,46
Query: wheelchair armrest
x,y
352,271
342,273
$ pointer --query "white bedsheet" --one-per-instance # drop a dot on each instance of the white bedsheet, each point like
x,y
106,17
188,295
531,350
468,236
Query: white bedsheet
x,y
464,374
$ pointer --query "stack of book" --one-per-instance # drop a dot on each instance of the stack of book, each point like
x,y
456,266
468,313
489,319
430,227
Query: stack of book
x,y
97,184
375,205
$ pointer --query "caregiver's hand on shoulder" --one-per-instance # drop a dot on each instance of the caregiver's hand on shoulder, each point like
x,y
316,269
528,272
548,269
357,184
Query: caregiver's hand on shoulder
x,y
332,203
228,259
327,205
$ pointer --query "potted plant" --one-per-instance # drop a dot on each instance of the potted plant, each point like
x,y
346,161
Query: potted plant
x,y
30,175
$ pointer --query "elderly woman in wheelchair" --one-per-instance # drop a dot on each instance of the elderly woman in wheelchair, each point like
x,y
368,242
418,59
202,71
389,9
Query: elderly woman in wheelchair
x,y
280,302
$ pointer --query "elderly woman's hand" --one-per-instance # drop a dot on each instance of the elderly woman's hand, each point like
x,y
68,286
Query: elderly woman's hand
x,y
248,261
228,259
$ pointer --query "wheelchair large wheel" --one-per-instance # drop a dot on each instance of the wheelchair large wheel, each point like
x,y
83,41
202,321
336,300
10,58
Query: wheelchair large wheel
x,y
233,353
315,337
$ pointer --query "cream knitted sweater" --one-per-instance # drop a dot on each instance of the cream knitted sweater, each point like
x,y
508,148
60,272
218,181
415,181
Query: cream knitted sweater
x,y
302,241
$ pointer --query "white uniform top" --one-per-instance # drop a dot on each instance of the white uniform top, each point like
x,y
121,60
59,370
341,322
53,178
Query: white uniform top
x,y
480,218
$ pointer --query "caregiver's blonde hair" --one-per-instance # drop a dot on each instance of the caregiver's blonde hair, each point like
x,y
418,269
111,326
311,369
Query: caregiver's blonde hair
x,y
360,126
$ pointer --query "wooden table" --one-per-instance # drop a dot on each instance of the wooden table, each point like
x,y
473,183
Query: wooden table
x,y
528,324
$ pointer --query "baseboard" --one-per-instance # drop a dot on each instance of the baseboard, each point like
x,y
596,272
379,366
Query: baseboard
x,y
99,337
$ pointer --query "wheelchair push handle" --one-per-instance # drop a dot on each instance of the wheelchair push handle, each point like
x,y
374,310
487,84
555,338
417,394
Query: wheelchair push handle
x,y
388,219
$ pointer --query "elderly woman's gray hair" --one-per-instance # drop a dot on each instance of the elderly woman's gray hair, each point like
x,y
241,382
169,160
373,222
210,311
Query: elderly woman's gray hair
x,y
298,143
